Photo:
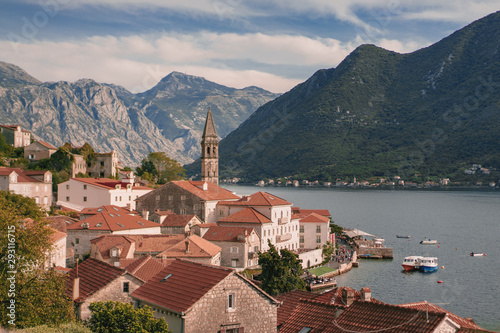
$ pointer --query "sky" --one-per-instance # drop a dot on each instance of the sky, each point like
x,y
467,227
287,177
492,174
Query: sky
x,y
272,44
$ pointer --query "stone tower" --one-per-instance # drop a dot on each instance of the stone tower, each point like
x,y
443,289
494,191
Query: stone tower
x,y
210,152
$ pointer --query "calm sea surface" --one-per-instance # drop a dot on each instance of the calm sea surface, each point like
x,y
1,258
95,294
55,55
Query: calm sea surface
x,y
461,222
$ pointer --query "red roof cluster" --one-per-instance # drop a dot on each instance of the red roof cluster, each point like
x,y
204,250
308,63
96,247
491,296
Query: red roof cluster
x,y
212,192
144,267
23,176
227,234
314,218
174,220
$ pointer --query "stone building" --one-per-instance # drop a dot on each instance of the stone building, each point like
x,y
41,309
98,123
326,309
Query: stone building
x,y
94,281
104,165
223,300
185,198
15,135
210,152
30,183
240,246
39,150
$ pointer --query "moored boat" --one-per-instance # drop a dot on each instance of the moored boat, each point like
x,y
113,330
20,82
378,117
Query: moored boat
x,y
428,242
411,263
428,264
399,236
475,254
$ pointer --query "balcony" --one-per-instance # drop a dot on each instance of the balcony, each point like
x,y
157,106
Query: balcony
x,y
283,238
283,220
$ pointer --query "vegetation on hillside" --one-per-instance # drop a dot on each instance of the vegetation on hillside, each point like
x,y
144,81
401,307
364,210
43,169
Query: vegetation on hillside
x,y
158,168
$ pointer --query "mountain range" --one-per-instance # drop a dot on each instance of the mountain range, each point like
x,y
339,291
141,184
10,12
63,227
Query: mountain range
x,y
169,117
434,111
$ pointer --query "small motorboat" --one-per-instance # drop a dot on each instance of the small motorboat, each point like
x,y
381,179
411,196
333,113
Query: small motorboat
x,y
399,236
428,264
411,263
429,242
475,254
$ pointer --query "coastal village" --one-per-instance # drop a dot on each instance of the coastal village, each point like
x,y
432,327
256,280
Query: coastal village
x,y
185,248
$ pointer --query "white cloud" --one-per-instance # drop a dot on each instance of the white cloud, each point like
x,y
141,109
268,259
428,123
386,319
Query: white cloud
x,y
138,62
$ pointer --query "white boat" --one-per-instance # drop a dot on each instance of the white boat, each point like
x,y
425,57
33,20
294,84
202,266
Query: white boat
x,y
411,263
428,241
428,264
473,254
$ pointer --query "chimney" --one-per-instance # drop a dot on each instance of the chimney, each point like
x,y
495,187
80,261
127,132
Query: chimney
x,y
366,294
348,296
76,288
205,186
187,246
145,214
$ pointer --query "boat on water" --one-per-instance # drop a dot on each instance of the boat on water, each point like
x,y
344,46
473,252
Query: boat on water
x,y
428,264
428,241
411,263
399,236
475,254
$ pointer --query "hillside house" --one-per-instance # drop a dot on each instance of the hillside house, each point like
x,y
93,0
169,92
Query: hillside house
x,y
184,197
240,246
29,183
15,135
269,215
57,254
81,233
38,150
94,281
80,193
104,165
223,300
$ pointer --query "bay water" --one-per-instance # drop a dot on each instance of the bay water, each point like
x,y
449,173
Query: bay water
x,y
461,221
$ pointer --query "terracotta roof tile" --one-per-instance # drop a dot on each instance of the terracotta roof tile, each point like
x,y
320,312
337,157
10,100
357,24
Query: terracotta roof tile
x,y
213,192
60,222
227,234
94,275
305,212
163,212
198,248
314,218
109,183
105,243
334,296
57,235
257,199
23,176
247,215
145,267
289,302
174,220
106,208
48,145
426,306
181,284
315,315
113,222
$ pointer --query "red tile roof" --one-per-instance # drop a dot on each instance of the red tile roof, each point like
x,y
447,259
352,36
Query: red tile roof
x,y
105,243
198,248
247,215
109,183
57,235
370,316
59,222
163,212
314,218
289,302
334,296
94,275
14,128
305,212
426,306
257,199
213,192
113,222
145,267
106,208
23,176
48,145
227,234
181,284
174,220
471,330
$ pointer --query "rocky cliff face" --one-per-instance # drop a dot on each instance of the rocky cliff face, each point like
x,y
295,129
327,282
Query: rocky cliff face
x,y
169,117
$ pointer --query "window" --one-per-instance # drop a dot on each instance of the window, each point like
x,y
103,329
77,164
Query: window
x,y
84,187
45,200
170,197
301,229
84,198
234,262
301,240
31,156
67,198
318,229
67,186
318,239
37,200
183,211
234,249
157,198
102,164
125,287
77,240
221,212
183,197
231,304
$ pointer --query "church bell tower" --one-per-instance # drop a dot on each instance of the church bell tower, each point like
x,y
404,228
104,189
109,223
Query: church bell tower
x,y
210,152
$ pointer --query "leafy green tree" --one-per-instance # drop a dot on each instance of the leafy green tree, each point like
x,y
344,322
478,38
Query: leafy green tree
x,y
280,271
25,242
328,252
160,168
120,317
336,229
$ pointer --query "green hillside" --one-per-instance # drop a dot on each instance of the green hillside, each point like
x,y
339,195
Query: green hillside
x,y
431,112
